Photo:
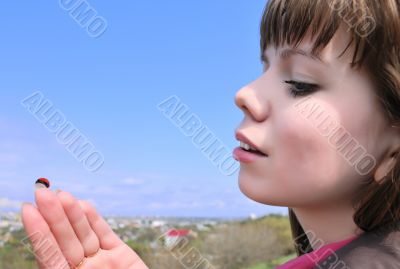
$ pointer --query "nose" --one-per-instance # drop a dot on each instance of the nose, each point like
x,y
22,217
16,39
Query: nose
x,y
251,104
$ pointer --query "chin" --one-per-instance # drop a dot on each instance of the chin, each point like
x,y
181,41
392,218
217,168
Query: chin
x,y
251,192
266,197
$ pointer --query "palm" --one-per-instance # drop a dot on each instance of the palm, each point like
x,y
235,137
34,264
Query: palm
x,y
121,256
64,231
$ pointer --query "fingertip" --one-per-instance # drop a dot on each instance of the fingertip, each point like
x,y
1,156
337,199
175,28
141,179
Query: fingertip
x,y
65,194
41,191
66,199
28,213
82,204
85,205
24,205
46,199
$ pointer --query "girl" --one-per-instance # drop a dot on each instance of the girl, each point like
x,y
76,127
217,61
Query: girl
x,y
321,120
319,136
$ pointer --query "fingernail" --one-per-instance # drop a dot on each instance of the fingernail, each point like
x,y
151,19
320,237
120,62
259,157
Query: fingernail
x,y
40,186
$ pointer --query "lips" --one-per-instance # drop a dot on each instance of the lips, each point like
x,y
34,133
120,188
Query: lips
x,y
254,149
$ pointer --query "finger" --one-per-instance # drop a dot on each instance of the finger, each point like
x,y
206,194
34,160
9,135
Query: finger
x,y
53,213
108,239
79,223
44,245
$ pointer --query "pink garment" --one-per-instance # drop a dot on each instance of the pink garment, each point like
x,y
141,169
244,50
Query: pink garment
x,y
310,260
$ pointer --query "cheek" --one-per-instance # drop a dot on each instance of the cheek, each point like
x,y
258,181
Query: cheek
x,y
305,162
300,150
304,167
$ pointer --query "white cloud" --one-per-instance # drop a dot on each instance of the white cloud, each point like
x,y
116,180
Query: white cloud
x,y
132,181
9,204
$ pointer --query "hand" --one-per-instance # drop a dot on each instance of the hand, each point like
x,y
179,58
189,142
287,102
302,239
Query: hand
x,y
66,233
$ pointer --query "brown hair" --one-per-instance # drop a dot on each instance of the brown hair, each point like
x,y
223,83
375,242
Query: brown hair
x,y
375,33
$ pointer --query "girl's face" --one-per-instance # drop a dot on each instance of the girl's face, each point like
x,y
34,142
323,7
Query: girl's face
x,y
304,167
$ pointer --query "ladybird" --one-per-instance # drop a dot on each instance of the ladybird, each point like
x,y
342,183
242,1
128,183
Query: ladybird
x,y
42,182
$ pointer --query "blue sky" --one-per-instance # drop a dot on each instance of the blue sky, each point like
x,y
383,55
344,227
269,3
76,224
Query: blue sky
x,y
109,88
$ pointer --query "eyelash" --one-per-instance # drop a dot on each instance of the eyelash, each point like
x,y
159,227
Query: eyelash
x,y
295,91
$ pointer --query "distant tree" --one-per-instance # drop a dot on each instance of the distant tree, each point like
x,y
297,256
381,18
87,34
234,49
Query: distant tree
x,y
239,245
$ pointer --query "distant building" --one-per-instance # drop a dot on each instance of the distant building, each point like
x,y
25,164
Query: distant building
x,y
175,238
253,216
157,223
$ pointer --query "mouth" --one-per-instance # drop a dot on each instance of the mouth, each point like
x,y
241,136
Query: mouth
x,y
248,146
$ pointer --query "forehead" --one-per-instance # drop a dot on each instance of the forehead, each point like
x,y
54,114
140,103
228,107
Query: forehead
x,y
292,21
339,50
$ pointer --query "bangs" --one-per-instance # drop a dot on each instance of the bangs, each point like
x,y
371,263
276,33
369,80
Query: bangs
x,y
289,21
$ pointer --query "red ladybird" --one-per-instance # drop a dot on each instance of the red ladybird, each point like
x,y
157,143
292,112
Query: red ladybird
x,y
42,182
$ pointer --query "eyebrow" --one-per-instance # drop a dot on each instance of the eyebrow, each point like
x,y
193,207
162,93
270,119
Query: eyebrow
x,y
286,53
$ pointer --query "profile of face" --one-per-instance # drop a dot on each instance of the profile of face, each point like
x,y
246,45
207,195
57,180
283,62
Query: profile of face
x,y
301,167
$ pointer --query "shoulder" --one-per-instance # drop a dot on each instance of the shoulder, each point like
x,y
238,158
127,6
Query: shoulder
x,y
378,250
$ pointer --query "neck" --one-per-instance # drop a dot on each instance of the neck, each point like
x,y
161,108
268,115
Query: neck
x,y
328,224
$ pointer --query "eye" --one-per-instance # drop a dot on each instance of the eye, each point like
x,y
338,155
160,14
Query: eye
x,y
301,88
264,62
